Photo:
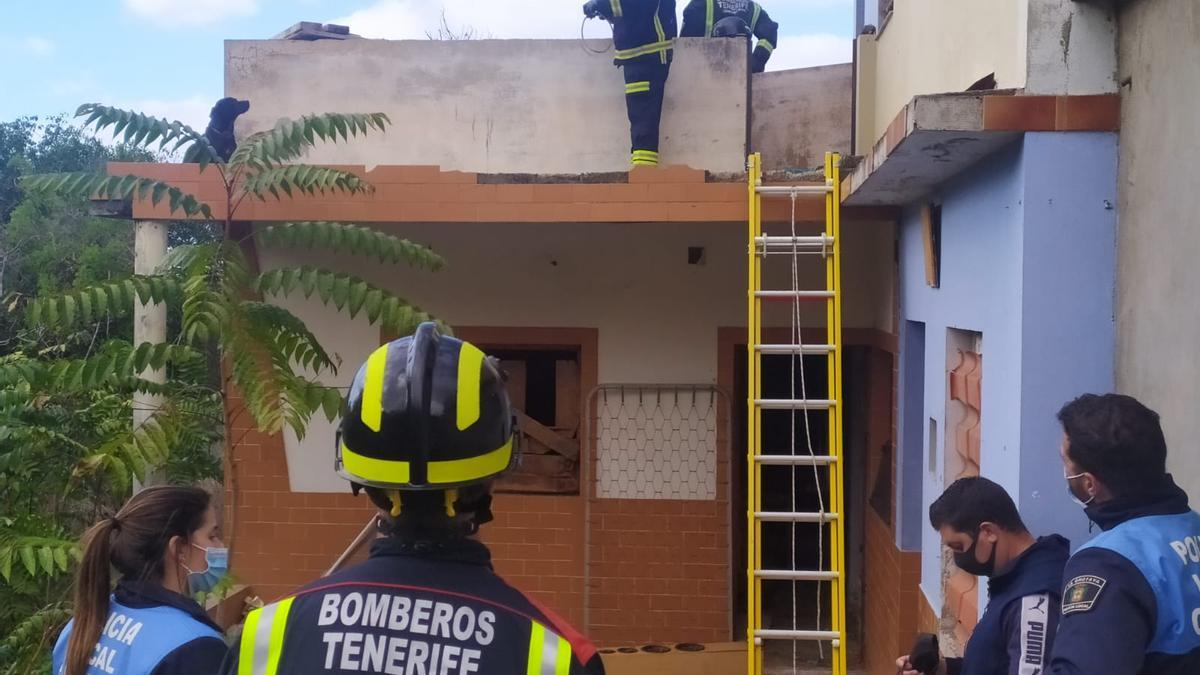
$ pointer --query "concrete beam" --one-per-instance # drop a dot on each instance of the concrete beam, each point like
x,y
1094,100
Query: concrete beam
x,y
936,137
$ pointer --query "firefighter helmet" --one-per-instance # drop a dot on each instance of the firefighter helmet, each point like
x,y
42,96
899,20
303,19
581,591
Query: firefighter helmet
x,y
426,412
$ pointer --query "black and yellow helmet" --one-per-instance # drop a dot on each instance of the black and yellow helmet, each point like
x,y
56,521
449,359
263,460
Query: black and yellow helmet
x,y
426,412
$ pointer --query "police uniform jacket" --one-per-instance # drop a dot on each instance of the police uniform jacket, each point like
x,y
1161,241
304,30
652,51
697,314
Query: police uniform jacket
x,y
1131,605
151,631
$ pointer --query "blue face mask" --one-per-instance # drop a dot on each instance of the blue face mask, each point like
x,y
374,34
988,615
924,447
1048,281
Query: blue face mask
x,y
218,565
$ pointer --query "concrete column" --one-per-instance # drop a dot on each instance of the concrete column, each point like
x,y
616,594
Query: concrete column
x,y
149,320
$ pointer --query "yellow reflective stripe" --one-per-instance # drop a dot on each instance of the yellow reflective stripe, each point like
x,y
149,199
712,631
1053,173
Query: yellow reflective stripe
x,y
372,396
754,16
536,638
371,469
644,49
616,7
647,154
708,18
766,44
562,664
635,87
662,36
246,648
394,471
278,629
262,639
470,377
549,654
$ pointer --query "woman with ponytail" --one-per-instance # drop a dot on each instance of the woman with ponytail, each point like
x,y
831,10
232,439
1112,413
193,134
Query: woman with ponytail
x,y
164,545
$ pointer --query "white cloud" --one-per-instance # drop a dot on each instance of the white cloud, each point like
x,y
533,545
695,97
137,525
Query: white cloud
x,y
173,13
38,46
805,51
409,19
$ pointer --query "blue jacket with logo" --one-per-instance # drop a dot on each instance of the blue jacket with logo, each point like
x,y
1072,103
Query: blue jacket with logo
x,y
1016,631
1131,605
151,631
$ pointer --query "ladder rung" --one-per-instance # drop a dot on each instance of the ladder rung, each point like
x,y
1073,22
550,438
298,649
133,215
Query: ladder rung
x,y
794,403
794,517
796,575
793,295
796,635
819,244
794,349
793,460
809,189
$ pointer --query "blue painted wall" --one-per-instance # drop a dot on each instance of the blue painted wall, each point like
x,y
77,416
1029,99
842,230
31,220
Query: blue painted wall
x,y
1028,261
1067,322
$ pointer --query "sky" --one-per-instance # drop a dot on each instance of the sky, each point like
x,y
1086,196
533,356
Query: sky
x,y
165,57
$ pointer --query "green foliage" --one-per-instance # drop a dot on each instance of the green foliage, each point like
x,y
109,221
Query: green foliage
x,y
141,130
353,239
104,186
69,450
289,139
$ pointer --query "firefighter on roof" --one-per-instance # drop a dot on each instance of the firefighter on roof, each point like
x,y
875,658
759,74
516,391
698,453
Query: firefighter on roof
x,y
727,18
643,35
428,425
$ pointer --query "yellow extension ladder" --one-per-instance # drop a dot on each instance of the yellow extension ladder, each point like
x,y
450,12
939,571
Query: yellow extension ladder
x,y
795,249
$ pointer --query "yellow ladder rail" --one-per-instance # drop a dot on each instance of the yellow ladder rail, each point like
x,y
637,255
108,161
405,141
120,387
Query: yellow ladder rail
x,y
828,246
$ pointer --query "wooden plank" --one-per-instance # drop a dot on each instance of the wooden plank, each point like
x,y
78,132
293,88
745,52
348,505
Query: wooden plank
x,y
566,395
567,447
516,382
932,245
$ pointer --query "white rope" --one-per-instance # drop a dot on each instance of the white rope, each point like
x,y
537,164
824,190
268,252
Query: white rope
x,y
798,339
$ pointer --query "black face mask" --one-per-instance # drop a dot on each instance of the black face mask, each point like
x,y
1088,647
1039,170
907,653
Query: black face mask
x,y
967,562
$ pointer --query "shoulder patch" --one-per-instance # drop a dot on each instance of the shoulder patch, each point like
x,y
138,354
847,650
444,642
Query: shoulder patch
x,y
1081,593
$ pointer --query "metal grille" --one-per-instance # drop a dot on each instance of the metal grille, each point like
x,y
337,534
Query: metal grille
x,y
657,441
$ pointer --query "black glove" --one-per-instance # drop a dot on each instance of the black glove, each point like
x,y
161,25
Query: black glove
x,y
591,9
924,655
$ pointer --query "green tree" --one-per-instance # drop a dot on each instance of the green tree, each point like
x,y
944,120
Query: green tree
x,y
223,306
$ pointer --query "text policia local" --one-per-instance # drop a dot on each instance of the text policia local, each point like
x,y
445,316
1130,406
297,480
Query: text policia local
x,y
367,652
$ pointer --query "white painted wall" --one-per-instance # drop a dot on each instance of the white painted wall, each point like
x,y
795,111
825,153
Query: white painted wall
x,y
537,106
657,316
938,46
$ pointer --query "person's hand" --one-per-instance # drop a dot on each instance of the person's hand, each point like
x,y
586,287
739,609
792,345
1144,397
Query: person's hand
x,y
591,9
905,667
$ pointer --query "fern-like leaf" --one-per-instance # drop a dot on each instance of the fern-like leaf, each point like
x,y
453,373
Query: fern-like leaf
x,y
289,139
289,336
103,186
304,179
338,289
38,556
110,300
142,130
352,239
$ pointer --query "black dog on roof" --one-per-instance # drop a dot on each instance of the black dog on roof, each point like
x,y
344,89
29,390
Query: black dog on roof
x,y
220,125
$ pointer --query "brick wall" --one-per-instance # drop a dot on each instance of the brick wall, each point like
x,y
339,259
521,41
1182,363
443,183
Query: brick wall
x,y
660,571
892,598
660,568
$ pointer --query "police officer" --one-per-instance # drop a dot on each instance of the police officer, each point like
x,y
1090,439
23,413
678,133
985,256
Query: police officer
x,y
427,426
165,544
703,18
1131,604
979,523
643,35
